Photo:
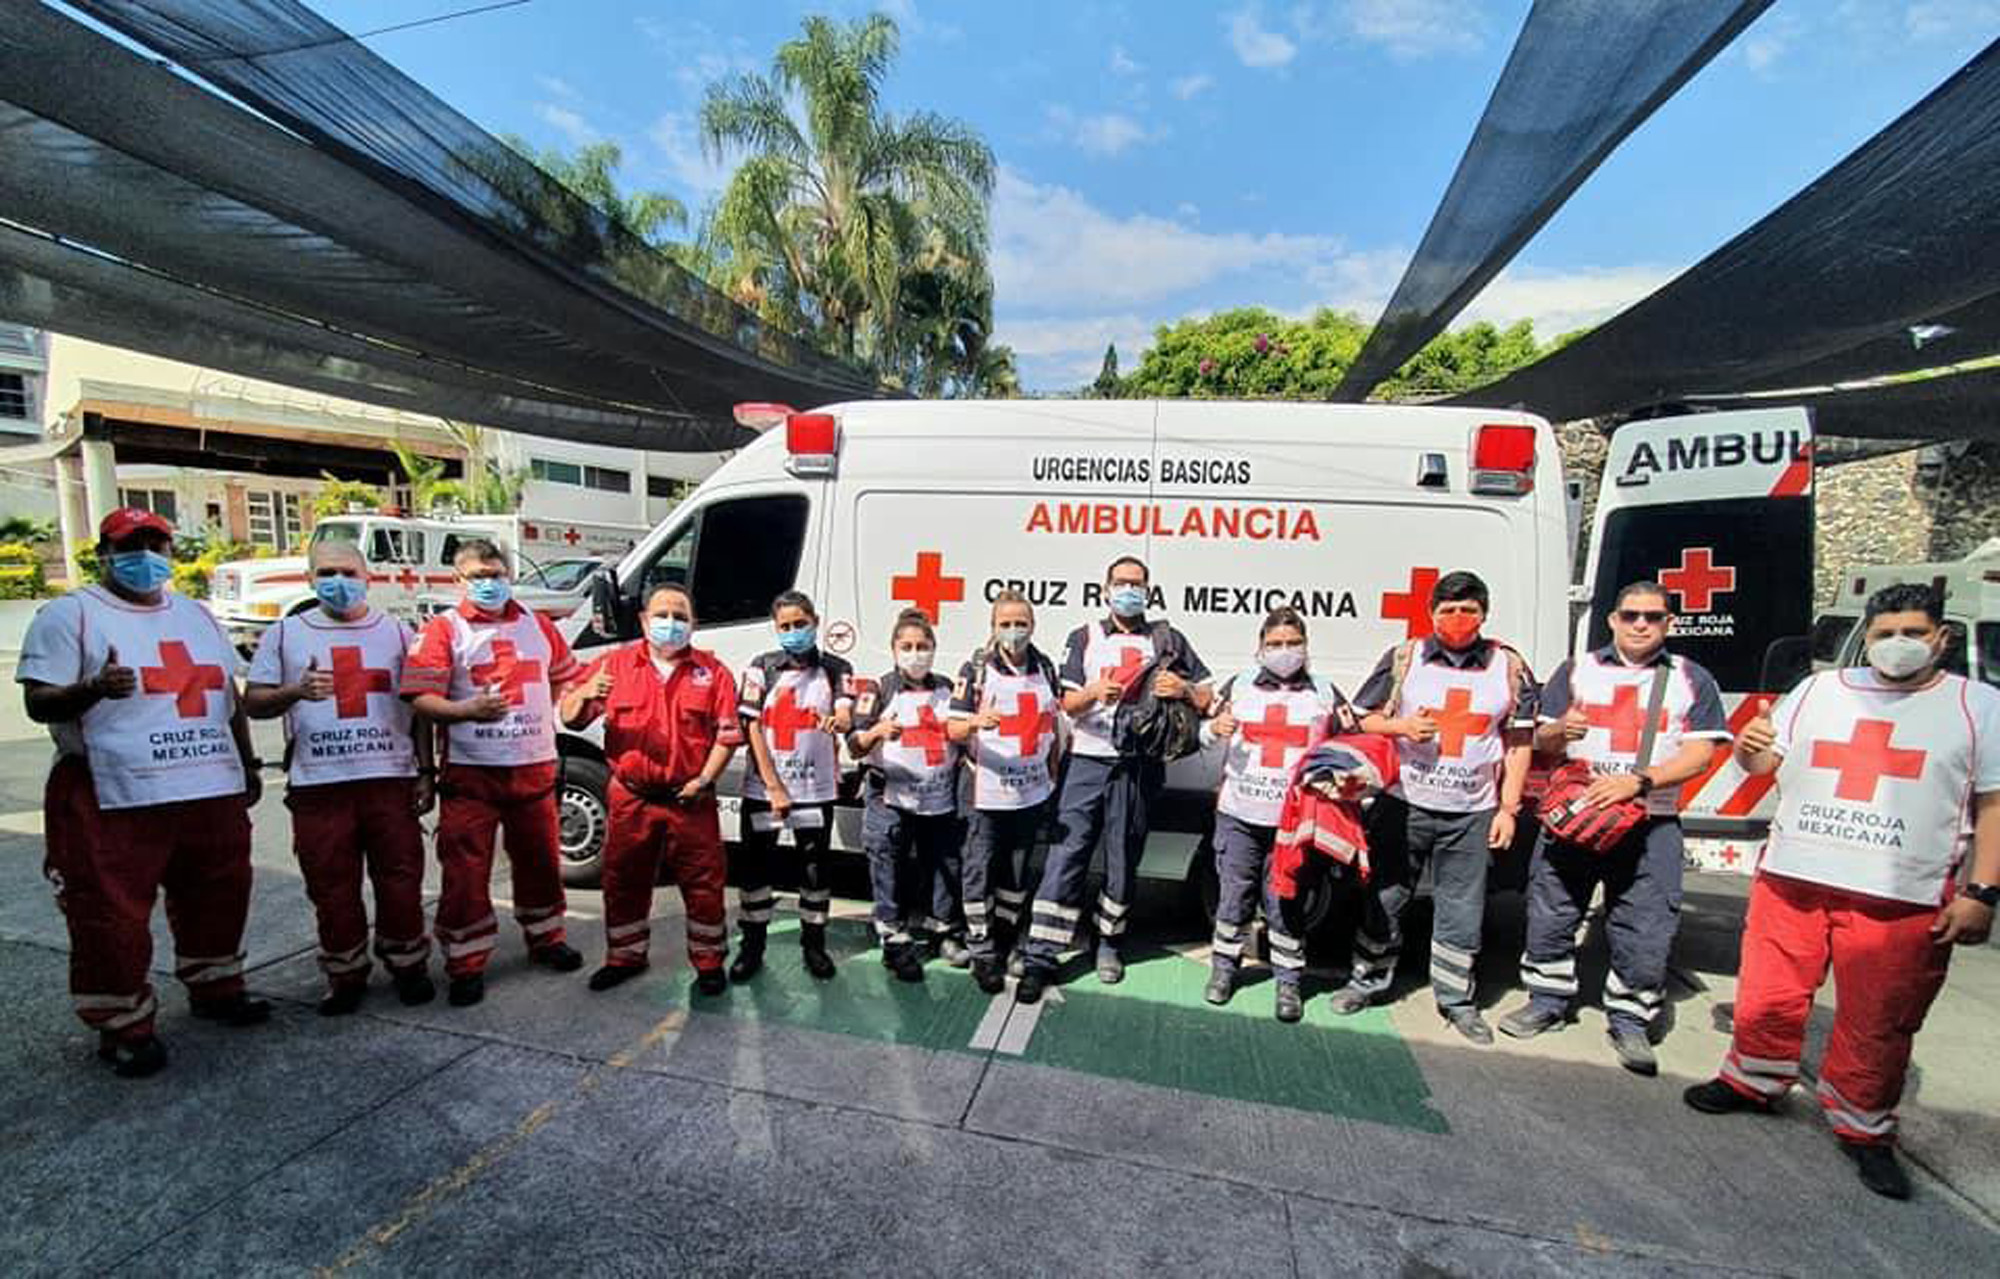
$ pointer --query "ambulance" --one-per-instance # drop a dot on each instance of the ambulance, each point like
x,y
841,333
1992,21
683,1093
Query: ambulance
x,y
1348,513
1971,589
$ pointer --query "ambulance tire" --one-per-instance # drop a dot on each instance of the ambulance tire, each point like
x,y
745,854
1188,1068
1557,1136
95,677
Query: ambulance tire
x,y
1203,888
583,815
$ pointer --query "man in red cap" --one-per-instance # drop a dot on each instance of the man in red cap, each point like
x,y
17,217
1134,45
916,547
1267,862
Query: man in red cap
x,y
151,790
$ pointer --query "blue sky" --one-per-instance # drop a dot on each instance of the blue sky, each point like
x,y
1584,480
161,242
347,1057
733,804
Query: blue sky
x,y
1166,159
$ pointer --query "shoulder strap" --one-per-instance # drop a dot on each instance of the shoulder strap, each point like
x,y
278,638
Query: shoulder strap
x,y
1399,674
1654,701
982,657
1165,650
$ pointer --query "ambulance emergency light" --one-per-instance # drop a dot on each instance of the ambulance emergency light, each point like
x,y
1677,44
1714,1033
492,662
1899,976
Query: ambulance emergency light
x,y
812,440
1503,459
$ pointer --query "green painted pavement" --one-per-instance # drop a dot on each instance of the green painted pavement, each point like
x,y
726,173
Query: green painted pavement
x,y
1153,1028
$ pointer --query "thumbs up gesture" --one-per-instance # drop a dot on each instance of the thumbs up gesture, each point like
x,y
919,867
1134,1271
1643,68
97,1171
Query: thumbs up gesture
x,y
1224,724
487,705
315,685
1760,734
112,679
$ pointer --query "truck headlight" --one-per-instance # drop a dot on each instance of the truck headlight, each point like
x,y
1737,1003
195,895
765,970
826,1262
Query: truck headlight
x,y
264,610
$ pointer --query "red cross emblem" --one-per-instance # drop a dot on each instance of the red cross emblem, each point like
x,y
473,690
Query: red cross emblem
x,y
1274,735
786,719
1623,717
1698,580
188,681
1027,724
353,682
927,735
1412,607
1131,660
508,671
928,588
1865,759
1456,721
407,578
572,536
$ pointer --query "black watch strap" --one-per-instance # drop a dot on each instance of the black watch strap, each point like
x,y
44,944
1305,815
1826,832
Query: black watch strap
x,y
1987,895
1645,783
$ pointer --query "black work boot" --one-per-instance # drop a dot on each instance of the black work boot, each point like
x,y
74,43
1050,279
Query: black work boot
x,y
900,958
614,975
464,992
1717,1098
414,986
1877,1166
1221,982
812,946
133,1058
1291,1002
343,999
749,959
236,1010
990,974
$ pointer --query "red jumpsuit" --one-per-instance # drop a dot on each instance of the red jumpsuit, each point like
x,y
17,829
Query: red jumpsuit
x,y
497,777
658,733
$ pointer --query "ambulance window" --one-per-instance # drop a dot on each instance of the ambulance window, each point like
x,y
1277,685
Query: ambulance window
x,y
735,556
1989,652
1829,636
1953,659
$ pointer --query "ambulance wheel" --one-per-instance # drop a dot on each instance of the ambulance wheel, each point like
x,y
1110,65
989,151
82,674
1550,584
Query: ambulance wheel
x,y
582,818
1204,889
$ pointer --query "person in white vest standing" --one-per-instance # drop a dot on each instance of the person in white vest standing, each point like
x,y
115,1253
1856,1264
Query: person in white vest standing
x,y
1269,718
151,790
490,671
1594,708
1461,707
1888,777
359,777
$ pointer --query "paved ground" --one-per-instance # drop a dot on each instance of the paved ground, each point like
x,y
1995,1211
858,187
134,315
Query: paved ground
x,y
864,1126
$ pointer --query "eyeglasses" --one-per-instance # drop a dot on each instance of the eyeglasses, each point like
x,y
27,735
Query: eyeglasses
x,y
1652,615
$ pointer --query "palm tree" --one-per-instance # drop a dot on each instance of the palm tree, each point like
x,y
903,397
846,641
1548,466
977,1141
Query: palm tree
x,y
836,199
589,174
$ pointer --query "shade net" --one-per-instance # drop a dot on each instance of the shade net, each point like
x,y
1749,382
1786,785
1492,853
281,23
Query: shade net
x,y
1898,234
1952,406
115,152
1583,75
1971,332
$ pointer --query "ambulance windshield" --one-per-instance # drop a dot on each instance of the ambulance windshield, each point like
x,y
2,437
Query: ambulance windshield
x,y
336,531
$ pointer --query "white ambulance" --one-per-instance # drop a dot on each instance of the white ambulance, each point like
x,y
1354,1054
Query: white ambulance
x,y
1971,589
1347,513
409,564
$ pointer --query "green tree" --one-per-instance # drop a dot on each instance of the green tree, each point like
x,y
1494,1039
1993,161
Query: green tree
x,y
337,495
1106,386
591,173
837,202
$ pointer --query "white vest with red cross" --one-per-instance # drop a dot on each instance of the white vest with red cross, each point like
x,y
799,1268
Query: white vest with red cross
x,y
1458,771
170,740
511,657
1613,698
1275,727
363,730
1013,761
1122,657
919,767
803,755
1876,786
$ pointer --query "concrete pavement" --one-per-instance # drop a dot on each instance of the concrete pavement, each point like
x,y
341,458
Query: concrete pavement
x,y
866,1126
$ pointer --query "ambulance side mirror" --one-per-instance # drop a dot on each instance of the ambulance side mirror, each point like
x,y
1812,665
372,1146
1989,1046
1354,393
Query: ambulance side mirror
x,y
1786,662
612,615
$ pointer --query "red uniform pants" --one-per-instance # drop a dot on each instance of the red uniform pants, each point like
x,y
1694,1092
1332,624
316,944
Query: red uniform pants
x,y
1886,972
474,802
108,867
338,832
645,835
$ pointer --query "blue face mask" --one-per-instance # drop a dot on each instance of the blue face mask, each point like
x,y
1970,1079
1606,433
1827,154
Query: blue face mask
x,y
668,632
489,593
1128,601
340,594
799,642
141,572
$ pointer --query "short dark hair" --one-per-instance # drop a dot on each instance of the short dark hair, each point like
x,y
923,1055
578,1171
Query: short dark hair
x,y
913,617
663,588
483,549
1128,559
1904,597
1283,615
1458,586
794,599
1643,587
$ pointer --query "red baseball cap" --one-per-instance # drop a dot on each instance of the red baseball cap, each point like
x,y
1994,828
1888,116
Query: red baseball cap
x,y
127,520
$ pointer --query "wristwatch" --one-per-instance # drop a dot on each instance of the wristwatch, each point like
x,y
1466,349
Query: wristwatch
x,y
1987,895
1645,783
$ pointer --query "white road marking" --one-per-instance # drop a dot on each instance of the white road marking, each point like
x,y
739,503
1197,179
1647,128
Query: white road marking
x,y
987,1035
26,822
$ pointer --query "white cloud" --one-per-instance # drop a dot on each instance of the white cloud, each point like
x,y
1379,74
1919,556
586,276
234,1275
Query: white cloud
x,y
1768,40
1188,210
558,86
1099,135
1945,19
1256,45
1558,301
1411,29
1187,86
1122,63
578,131
678,143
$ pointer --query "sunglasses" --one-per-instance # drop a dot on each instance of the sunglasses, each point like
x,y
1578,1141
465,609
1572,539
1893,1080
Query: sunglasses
x,y
1653,615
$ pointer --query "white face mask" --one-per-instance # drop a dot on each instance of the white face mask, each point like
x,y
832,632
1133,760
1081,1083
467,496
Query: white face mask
x,y
1283,662
915,663
1899,656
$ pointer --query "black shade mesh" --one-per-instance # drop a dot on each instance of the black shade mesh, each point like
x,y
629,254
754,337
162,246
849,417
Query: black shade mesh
x,y
1583,75
1899,233
1969,333
1954,406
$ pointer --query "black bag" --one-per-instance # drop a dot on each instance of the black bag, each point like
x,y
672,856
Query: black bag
x,y
1155,728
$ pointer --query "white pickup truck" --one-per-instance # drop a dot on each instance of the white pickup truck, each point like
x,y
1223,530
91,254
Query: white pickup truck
x,y
409,566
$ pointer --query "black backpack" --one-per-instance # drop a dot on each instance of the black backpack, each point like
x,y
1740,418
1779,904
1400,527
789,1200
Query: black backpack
x,y
1155,728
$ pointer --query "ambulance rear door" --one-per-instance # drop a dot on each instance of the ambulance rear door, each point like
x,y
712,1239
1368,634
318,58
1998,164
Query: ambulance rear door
x,y
1718,509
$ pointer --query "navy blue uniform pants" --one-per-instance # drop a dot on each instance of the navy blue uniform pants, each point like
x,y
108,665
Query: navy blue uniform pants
x,y
1107,798
1642,911
995,874
1402,838
1242,860
912,869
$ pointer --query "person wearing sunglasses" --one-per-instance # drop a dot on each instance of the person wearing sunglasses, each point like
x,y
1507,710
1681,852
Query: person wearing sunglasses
x,y
1461,707
1594,708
